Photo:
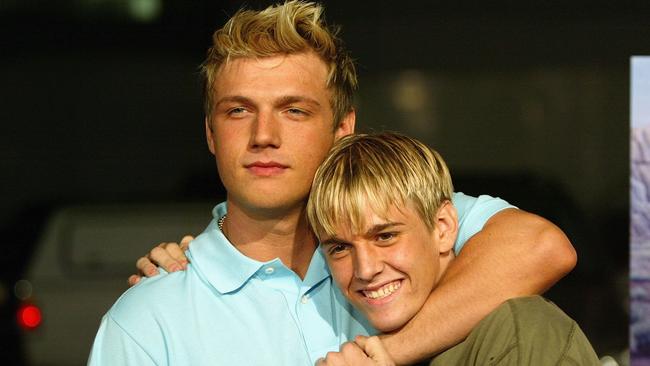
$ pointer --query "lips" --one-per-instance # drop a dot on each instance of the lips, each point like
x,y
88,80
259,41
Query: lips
x,y
266,169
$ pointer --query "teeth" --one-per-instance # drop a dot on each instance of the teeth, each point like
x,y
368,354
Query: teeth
x,y
383,291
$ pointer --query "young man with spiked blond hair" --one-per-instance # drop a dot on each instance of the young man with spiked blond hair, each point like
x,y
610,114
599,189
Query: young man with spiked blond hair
x,y
279,89
381,206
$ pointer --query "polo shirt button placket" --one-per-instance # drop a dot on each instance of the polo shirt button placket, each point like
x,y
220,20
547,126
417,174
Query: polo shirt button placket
x,y
269,270
304,299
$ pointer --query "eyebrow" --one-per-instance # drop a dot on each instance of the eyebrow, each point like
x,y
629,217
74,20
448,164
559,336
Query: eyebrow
x,y
233,99
381,227
284,100
332,241
370,232
289,99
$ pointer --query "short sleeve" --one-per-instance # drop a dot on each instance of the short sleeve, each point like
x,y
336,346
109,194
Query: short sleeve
x,y
473,213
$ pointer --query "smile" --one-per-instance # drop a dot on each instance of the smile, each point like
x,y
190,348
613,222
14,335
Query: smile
x,y
383,291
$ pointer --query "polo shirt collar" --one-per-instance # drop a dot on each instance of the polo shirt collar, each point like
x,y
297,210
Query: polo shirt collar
x,y
227,269
318,270
217,260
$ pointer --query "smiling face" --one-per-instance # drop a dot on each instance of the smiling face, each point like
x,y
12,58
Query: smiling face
x,y
381,206
271,126
390,266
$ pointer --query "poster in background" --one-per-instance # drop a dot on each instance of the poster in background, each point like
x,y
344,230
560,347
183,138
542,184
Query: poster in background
x,y
640,211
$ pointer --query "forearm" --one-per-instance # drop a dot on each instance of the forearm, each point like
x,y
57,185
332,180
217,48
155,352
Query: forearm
x,y
516,254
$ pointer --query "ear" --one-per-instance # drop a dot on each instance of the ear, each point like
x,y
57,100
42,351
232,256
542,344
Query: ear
x,y
346,127
446,226
208,135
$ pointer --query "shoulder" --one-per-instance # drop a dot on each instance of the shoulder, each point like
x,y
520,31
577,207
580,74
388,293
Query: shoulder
x,y
482,205
136,327
473,213
153,298
160,295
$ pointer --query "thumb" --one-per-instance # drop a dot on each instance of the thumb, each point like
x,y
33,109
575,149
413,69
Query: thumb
x,y
187,239
185,242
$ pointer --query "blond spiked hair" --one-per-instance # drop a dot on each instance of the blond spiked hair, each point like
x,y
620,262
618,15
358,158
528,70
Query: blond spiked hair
x,y
289,28
376,171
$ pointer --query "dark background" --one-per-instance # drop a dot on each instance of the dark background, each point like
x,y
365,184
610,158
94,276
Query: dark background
x,y
100,103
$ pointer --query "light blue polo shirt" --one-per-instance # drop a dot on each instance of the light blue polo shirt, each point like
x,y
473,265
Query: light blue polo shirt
x,y
228,309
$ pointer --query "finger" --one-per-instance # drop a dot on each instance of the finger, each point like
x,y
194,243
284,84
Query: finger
x,y
375,349
361,341
185,242
163,256
133,280
350,348
352,354
177,253
334,359
147,268
185,245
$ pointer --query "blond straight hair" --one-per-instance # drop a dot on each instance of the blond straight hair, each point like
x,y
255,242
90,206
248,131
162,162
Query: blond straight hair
x,y
289,28
376,171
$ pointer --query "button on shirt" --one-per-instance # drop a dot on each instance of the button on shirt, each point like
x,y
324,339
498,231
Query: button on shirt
x,y
228,309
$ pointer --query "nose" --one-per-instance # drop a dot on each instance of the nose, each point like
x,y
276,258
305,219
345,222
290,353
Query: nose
x,y
265,131
367,263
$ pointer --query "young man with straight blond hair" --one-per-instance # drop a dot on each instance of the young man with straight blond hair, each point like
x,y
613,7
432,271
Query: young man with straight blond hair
x,y
279,89
381,206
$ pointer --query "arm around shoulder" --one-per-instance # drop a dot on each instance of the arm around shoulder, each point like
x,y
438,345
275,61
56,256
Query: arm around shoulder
x,y
515,254
545,250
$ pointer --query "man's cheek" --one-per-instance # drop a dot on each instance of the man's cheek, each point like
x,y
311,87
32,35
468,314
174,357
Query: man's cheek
x,y
342,276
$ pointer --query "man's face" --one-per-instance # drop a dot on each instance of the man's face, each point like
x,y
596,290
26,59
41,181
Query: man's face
x,y
270,128
390,267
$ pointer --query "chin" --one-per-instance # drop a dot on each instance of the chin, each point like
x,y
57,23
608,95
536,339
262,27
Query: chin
x,y
388,324
273,201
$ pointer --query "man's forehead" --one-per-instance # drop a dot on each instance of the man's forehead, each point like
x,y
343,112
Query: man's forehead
x,y
306,59
368,221
375,216
268,62
271,78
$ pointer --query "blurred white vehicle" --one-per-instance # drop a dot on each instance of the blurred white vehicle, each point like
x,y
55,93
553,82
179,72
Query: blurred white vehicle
x,y
80,267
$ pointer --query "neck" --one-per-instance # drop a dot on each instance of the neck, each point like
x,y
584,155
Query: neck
x,y
445,261
265,236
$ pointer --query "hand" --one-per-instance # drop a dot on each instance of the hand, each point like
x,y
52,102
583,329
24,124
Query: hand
x,y
363,351
373,347
169,256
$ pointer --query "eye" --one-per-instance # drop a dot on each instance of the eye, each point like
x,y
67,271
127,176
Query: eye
x,y
237,111
384,237
297,112
338,249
